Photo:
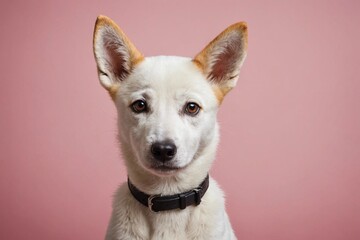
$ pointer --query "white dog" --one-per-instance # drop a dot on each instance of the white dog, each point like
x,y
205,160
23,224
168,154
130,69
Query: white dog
x,y
168,134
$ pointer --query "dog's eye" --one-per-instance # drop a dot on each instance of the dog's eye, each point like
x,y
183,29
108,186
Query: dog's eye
x,y
139,106
192,108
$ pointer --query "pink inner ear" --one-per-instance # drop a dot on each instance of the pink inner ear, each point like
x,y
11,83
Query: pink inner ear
x,y
224,65
228,60
115,55
116,60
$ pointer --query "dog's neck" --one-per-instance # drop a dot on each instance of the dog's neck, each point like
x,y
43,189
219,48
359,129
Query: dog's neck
x,y
166,185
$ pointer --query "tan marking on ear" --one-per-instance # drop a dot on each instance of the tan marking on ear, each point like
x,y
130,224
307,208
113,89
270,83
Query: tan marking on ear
x,y
102,21
202,58
113,91
199,65
137,61
218,93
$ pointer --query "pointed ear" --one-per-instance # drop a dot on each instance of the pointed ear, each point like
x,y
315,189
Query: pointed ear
x,y
222,58
115,55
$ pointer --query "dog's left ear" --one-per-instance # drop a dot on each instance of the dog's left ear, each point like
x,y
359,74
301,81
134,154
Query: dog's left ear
x,y
222,58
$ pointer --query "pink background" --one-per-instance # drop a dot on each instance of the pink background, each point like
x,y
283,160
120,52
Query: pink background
x,y
289,158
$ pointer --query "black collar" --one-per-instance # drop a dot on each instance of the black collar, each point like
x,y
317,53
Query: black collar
x,y
158,203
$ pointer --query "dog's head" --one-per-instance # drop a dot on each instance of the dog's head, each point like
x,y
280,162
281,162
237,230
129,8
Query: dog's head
x,y
167,105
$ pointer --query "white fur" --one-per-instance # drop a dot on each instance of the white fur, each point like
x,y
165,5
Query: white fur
x,y
167,84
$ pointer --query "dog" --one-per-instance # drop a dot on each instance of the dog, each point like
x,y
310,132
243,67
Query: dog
x,y
168,134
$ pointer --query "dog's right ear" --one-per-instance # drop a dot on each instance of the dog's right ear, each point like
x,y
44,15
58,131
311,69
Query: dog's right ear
x,y
115,55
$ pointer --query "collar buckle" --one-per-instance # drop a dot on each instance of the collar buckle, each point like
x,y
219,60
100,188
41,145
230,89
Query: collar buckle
x,y
197,195
150,203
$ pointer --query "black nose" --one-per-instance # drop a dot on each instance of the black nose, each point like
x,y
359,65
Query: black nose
x,y
163,151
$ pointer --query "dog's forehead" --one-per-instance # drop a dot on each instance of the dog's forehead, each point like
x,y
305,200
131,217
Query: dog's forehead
x,y
168,73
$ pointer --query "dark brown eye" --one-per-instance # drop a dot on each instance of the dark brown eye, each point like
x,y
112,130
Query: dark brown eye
x,y
192,108
139,106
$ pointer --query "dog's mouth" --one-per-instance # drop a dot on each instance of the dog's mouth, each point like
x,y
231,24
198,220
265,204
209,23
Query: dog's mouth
x,y
165,169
